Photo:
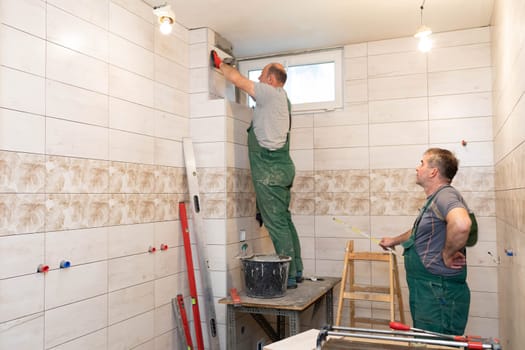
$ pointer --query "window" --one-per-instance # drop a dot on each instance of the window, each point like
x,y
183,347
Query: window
x,y
314,79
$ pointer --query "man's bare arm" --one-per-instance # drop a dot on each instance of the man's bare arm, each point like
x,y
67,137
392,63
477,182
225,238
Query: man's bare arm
x,y
231,74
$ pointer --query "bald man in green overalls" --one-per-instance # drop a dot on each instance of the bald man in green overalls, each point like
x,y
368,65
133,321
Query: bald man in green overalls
x,y
272,168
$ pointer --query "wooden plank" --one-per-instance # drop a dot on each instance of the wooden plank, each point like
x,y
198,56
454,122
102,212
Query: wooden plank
x,y
367,296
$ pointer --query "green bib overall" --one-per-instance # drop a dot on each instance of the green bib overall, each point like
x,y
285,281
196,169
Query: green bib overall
x,y
437,303
273,173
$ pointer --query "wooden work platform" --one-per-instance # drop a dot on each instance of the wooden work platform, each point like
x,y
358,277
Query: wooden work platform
x,y
290,305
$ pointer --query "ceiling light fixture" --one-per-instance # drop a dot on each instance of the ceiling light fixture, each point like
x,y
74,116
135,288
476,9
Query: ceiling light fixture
x,y
166,18
423,34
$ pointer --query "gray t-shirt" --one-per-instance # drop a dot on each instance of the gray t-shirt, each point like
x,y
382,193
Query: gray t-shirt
x,y
271,121
432,230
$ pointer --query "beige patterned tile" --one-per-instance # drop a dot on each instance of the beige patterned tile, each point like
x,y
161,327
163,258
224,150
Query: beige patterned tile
x,y
22,213
390,180
304,181
303,203
240,204
75,175
167,206
509,172
342,181
238,180
171,180
72,211
396,203
483,203
132,178
213,205
212,180
474,179
124,209
329,203
22,172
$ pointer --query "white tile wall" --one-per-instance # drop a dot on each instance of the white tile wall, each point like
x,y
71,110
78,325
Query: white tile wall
x,y
90,80
28,16
95,340
95,12
341,136
71,67
168,153
131,87
25,333
398,110
341,158
22,132
73,33
64,286
459,81
77,246
74,320
132,57
129,116
413,85
459,57
135,29
131,332
131,270
401,133
20,296
471,129
395,64
76,104
129,302
22,253
27,95
76,140
22,51
128,147
463,105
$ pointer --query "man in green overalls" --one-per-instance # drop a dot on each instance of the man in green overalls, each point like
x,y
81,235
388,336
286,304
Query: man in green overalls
x,y
272,168
435,255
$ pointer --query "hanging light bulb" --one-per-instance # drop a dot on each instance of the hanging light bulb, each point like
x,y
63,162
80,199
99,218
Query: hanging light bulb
x,y
166,18
423,34
165,25
425,44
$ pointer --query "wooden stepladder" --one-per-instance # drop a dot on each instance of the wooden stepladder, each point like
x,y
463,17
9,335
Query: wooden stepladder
x,y
351,291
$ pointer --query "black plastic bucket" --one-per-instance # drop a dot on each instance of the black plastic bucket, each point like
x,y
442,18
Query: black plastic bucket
x,y
265,276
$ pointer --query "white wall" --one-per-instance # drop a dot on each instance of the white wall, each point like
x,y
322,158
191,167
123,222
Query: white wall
x,y
93,106
508,43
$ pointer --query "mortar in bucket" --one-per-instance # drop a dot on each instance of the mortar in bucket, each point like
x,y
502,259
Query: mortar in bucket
x,y
265,276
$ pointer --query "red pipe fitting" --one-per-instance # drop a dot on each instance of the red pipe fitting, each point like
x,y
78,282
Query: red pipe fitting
x,y
42,268
163,247
152,249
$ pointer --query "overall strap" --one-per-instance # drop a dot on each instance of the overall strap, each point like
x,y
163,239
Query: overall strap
x,y
424,209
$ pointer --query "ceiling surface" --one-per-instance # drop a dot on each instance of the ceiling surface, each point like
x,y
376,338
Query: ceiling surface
x,y
265,27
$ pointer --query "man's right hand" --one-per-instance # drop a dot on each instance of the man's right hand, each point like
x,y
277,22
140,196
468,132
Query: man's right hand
x,y
215,59
387,242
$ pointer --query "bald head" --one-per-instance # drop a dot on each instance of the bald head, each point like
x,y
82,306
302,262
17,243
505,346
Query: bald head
x,y
278,71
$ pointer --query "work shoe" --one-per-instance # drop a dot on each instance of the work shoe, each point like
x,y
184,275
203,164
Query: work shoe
x,y
291,283
299,277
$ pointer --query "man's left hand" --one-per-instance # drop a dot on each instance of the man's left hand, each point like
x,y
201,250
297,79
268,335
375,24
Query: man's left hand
x,y
455,261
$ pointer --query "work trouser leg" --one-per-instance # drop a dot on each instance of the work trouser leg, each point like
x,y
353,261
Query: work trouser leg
x,y
273,202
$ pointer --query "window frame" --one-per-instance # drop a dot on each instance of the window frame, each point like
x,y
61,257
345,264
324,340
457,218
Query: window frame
x,y
330,55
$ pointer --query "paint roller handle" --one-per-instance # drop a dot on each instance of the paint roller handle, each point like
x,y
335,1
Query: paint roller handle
x,y
216,60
